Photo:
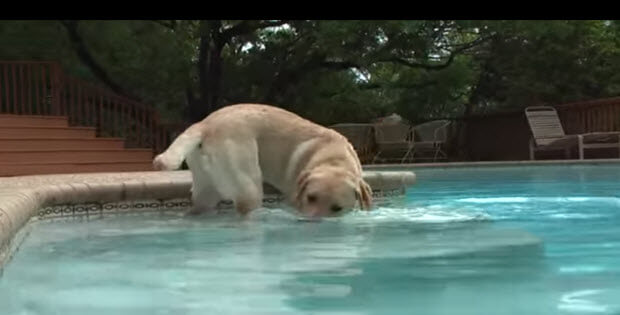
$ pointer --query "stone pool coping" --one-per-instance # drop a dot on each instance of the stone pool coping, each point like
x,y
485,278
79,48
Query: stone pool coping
x,y
21,197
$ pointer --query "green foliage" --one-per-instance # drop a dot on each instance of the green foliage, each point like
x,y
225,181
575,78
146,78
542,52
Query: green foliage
x,y
549,62
342,71
147,59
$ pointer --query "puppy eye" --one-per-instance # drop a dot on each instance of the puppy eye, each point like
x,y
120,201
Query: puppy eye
x,y
311,198
336,208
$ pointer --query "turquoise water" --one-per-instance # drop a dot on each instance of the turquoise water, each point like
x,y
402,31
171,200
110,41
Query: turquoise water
x,y
536,240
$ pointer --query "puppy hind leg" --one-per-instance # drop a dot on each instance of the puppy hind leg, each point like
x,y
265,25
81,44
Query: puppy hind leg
x,y
246,177
249,196
204,193
204,199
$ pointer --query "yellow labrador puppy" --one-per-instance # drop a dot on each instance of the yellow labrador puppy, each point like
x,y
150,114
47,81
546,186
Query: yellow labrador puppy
x,y
233,150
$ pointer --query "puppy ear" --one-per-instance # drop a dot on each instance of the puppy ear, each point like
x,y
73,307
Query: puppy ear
x,y
302,183
365,195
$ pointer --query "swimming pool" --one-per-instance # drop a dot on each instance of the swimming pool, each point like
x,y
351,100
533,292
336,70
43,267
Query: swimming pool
x,y
489,240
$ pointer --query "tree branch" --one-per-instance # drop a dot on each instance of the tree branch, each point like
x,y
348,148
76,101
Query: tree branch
x,y
266,24
246,27
453,54
87,58
372,86
339,65
288,76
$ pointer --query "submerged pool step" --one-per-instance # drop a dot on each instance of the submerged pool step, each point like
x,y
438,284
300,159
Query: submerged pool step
x,y
83,167
75,156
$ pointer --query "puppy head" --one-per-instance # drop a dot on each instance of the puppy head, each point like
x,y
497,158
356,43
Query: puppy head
x,y
331,192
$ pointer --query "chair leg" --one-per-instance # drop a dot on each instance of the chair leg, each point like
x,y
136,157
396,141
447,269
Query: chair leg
x,y
440,152
436,153
406,154
580,142
532,156
374,159
443,154
410,153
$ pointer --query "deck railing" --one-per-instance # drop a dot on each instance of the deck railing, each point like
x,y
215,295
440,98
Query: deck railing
x,y
42,88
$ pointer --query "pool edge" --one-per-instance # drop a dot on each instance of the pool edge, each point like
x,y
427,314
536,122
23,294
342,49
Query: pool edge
x,y
22,196
491,163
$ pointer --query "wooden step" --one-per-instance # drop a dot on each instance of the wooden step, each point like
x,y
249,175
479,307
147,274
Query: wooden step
x,y
46,132
65,168
75,156
8,120
44,144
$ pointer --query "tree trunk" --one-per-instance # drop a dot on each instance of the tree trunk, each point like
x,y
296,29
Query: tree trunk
x,y
209,73
214,81
462,140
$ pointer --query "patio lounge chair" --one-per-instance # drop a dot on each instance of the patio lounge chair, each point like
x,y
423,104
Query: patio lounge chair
x,y
548,134
431,137
360,136
394,142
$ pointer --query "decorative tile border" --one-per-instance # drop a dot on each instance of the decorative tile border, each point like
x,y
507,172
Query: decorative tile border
x,y
153,205
71,210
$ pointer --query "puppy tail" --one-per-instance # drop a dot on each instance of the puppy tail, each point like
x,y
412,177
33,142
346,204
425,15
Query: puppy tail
x,y
173,157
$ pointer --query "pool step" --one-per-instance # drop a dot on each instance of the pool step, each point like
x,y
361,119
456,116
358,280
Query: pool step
x,y
63,168
45,144
28,132
7,120
31,145
75,156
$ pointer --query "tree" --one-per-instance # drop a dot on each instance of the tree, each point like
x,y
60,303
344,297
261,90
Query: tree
x,y
548,62
332,71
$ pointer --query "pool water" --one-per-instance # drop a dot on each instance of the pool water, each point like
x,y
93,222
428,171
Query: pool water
x,y
496,240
